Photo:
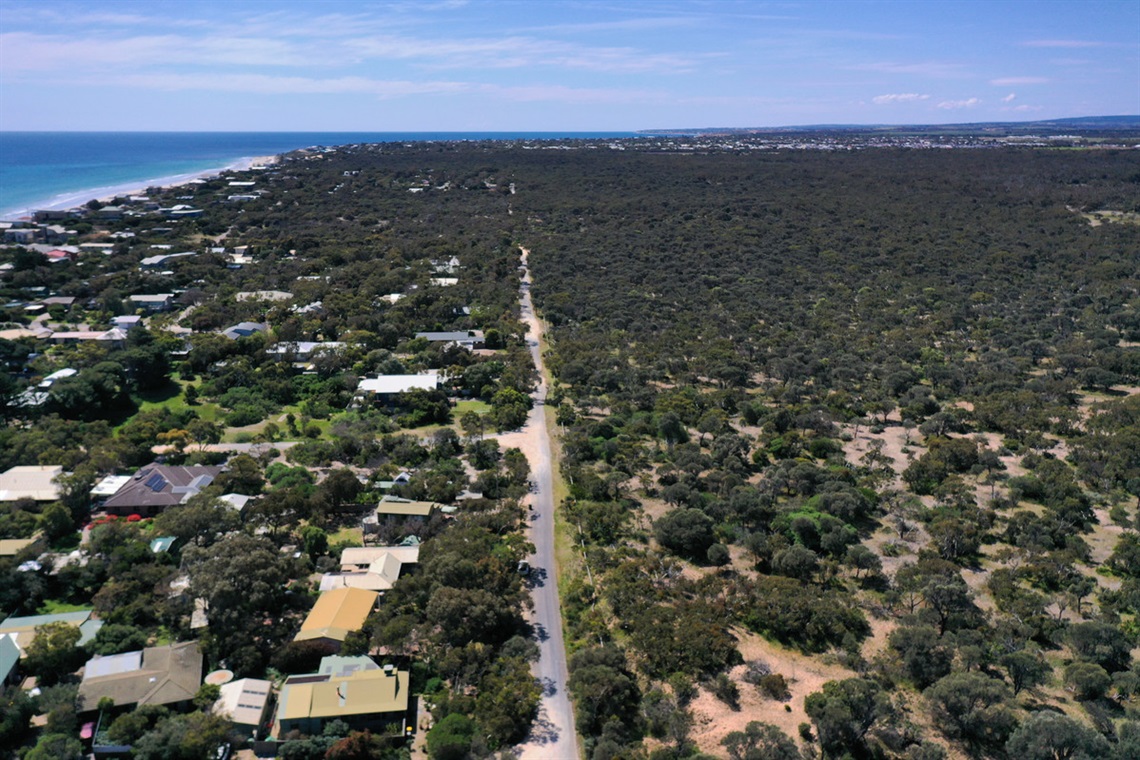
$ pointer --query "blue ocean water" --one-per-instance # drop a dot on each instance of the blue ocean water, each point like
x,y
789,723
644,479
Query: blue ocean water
x,y
62,169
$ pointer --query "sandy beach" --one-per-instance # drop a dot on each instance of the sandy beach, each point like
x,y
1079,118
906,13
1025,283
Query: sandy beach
x,y
108,192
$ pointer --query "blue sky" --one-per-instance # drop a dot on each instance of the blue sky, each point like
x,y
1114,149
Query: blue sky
x,y
559,65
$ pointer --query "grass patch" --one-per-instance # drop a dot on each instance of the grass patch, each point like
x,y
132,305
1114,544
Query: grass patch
x,y
55,607
566,557
474,405
171,397
346,535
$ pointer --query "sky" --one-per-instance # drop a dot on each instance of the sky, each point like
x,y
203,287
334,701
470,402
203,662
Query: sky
x,y
560,65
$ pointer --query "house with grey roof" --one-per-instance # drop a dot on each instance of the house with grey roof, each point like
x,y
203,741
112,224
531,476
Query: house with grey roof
x,y
466,338
158,486
152,303
167,675
127,322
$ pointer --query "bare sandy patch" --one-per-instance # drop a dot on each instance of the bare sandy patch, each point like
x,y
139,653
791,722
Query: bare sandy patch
x,y
713,720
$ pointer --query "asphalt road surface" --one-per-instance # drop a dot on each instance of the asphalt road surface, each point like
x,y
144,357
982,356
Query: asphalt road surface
x,y
553,736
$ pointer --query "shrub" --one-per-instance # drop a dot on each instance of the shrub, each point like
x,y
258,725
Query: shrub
x,y
774,686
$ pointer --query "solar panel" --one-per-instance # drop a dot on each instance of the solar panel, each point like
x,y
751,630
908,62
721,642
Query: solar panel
x,y
156,482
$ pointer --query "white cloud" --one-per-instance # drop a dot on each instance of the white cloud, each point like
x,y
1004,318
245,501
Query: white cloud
x,y
1009,98
29,51
898,97
951,105
1009,81
1024,109
261,84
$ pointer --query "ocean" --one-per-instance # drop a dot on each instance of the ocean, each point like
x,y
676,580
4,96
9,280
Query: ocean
x,y
65,169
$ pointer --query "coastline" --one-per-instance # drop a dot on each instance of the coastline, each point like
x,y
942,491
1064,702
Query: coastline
x,y
106,193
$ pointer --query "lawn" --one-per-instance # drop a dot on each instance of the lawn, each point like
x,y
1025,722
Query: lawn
x,y
347,535
171,397
475,405
55,607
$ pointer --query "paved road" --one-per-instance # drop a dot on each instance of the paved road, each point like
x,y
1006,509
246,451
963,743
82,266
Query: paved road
x,y
553,736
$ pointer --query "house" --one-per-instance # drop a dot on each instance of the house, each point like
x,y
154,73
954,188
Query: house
x,y
245,704
466,338
244,330
166,675
158,486
393,507
157,261
113,337
35,482
23,629
402,478
52,214
316,307
181,211
443,282
11,547
372,568
235,501
60,374
57,233
21,235
10,654
126,323
162,544
65,301
263,295
303,350
107,487
336,614
353,689
153,303
439,266
57,255
387,387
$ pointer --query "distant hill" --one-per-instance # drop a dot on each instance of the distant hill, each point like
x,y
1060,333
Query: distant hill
x,y
1076,124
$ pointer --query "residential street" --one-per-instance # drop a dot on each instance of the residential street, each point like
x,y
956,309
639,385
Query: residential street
x,y
553,736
